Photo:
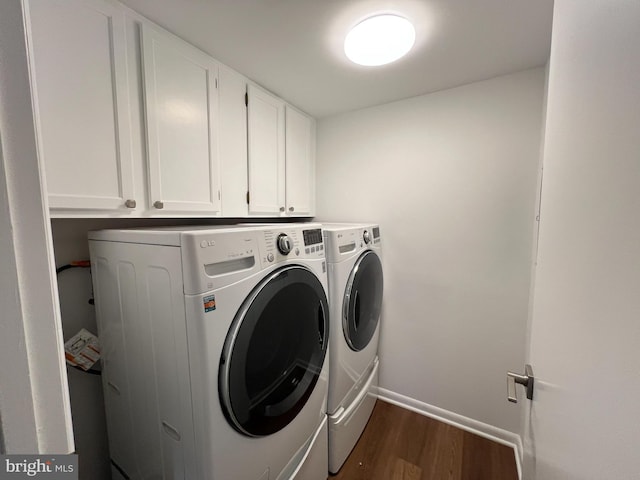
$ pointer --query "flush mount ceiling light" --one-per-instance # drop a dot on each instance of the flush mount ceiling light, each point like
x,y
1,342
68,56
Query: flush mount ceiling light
x,y
379,39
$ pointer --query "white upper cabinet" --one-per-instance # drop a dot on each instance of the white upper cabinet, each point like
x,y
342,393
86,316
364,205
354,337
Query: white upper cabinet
x,y
281,157
181,107
266,144
80,90
300,163
134,122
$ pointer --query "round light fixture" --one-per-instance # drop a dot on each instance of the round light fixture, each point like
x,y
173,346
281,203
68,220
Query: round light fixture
x,y
379,40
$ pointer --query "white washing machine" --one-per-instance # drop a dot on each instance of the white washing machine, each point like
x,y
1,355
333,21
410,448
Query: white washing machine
x,y
355,299
214,344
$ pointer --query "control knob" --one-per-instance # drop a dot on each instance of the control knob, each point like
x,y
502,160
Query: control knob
x,y
366,237
284,244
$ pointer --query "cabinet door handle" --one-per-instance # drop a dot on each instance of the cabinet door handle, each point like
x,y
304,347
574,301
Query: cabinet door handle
x,y
130,203
291,209
158,204
282,209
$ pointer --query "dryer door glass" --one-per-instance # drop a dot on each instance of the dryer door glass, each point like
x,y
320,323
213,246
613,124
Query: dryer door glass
x,y
362,301
274,352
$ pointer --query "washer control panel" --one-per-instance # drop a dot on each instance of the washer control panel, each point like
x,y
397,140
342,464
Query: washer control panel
x,y
344,241
224,253
376,234
313,242
284,244
312,237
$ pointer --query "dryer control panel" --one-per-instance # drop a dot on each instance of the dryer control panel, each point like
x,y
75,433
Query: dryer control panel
x,y
280,244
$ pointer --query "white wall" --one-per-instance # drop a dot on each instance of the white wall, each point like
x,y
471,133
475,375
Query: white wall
x,y
585,345
451,177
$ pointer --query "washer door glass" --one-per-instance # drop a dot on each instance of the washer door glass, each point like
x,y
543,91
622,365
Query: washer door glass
x,y
274,352
362,301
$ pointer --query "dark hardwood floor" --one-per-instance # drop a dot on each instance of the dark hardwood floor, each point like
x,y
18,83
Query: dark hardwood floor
x,y
402,445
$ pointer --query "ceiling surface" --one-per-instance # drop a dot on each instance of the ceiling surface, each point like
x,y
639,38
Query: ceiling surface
x,y
295,47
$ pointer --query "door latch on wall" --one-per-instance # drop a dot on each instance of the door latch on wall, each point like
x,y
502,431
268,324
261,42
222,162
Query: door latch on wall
x,y
526,380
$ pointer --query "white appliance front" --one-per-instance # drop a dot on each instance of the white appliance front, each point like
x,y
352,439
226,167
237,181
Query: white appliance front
x,y
240,377
355,299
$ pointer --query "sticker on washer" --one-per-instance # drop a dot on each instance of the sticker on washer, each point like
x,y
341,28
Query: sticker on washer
x,y
209,303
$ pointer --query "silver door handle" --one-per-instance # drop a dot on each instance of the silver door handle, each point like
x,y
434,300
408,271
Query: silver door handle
x,y
114,387
171,430
526,380
158,204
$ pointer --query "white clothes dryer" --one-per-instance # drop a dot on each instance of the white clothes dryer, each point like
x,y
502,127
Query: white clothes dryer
x,y
355,298
214,344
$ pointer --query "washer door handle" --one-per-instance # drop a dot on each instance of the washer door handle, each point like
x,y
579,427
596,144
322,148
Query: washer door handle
x,y
321,324
356,310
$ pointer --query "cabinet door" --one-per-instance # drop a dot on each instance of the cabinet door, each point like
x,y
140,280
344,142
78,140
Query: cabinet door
x,y
233,143
300,163
81,102
181,106
265,115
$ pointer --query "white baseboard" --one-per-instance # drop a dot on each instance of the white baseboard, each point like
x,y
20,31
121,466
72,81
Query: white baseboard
x,y
485,430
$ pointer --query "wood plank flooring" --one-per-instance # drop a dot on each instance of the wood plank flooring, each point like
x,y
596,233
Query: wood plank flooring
x,y
402,445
